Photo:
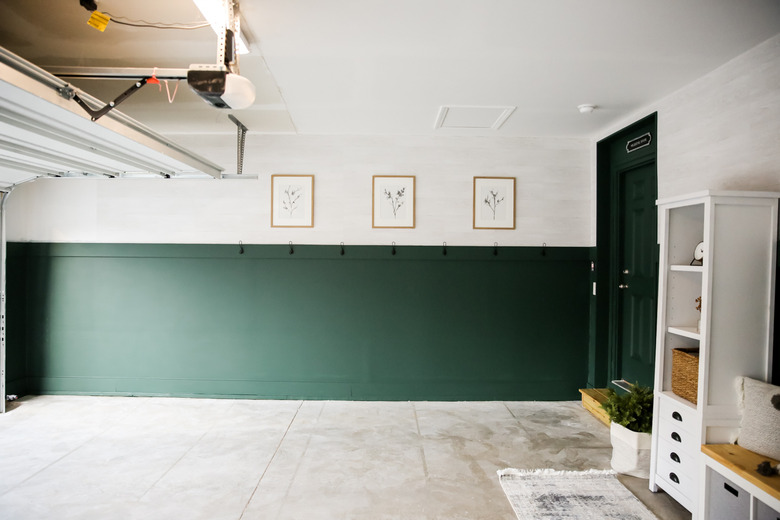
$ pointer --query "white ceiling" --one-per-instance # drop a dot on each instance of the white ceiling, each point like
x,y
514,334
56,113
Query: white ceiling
x,y
384,67
389,66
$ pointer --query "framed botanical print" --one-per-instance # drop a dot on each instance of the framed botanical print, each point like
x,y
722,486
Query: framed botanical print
x,y
393,201
494,203
292,200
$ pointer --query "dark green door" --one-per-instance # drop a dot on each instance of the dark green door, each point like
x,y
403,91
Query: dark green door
x,y
624,267
637,265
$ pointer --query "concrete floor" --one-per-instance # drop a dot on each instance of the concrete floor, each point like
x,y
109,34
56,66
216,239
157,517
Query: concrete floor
x,y
166,458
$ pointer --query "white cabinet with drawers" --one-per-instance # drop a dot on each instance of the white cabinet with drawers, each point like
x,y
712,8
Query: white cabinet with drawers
x,y
733,288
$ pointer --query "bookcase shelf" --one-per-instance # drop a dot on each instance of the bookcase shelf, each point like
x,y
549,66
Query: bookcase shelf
x,y
732,326
687,268
686,332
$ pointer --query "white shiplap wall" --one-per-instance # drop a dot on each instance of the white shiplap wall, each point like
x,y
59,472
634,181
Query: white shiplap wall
x,y
554,198
721,132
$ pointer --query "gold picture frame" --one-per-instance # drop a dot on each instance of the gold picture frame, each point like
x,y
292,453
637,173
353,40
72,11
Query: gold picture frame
x,y
393,201
292,201
494,203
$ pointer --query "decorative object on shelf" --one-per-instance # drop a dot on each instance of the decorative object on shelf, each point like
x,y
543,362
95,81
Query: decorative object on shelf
x,y
698,254
685,373
698,308
494,203
292,200
766,469
631,416
393,201
760,431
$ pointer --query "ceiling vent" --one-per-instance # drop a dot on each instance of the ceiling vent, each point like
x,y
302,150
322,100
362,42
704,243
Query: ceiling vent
x,y
472,117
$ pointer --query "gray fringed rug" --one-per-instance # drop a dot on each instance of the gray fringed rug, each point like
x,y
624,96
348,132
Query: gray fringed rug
x,y
549,494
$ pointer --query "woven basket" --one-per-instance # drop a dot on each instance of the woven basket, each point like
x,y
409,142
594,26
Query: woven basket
x,y
685,373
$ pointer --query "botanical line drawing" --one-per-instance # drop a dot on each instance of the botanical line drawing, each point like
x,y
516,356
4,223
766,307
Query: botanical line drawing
x,y
292,201
395,200
492,201
292,194
392,201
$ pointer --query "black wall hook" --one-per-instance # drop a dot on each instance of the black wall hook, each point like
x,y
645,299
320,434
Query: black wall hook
x,y
240,248
292,251
393,250
544,248
444,249
495,248
342,249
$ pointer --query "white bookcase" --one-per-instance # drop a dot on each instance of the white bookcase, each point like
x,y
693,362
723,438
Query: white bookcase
x,y
733,330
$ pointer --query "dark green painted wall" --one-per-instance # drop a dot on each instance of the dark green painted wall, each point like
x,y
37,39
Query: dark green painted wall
x,y
204,320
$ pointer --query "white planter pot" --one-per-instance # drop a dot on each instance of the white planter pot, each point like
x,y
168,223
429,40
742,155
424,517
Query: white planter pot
x,y
630,451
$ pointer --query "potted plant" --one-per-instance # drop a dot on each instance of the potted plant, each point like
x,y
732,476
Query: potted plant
x,y
631,416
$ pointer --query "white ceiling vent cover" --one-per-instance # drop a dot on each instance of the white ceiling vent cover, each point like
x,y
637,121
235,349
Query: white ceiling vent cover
x,y
472,117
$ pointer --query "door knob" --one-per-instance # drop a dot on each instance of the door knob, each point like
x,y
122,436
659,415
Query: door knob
x,y
625,271
623,286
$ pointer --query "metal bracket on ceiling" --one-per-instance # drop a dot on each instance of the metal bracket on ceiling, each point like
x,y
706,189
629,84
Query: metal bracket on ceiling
x,y
97,114
241,140
226,38
116,72
67,92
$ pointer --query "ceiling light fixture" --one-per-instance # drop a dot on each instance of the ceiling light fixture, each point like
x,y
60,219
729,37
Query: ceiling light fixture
x,y
218,14
586,108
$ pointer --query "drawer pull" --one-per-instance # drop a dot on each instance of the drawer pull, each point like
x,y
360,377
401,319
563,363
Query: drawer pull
x,y
676,416
730,489
675,457
676,437
674,478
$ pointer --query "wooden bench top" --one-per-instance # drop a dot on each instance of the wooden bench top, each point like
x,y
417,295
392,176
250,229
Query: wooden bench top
x,y
744,462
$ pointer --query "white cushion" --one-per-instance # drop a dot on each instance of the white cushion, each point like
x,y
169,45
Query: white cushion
x,y
760,418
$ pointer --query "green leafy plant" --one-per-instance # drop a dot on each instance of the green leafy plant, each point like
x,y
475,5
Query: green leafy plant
x,y
634,409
